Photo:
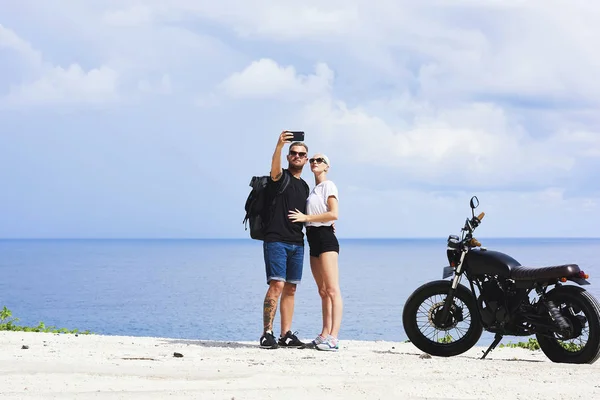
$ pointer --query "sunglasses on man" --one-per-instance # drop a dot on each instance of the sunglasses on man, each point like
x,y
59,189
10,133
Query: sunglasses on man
x,y
300,154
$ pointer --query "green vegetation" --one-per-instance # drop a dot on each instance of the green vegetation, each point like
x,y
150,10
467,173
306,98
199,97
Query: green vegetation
x,y
446,339
532,344
572,346
8,323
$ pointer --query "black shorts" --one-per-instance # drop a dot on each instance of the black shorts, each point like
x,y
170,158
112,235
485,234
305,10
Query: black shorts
x,y
321,239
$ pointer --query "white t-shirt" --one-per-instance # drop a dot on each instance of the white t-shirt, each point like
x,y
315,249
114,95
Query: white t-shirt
x,y
317,201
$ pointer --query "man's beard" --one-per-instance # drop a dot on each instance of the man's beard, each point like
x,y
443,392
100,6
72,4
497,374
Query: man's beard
x,y
294,168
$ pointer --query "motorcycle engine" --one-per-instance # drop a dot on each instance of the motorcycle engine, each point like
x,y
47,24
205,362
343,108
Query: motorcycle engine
x,y
491,302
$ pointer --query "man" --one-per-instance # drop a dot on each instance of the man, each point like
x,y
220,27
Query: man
x,y
283,244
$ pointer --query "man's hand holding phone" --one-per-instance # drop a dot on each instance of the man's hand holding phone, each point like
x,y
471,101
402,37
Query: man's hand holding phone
x,y
285,138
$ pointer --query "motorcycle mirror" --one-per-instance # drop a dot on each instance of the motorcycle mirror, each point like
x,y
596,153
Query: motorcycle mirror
x,y
474,204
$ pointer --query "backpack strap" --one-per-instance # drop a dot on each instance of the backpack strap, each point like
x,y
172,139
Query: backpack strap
x,y
286,179
285,182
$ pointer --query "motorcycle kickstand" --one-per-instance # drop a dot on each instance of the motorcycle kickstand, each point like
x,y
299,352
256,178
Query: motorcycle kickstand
x,y
497,340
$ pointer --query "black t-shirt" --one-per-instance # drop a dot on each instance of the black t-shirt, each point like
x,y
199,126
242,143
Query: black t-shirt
x,y
280,228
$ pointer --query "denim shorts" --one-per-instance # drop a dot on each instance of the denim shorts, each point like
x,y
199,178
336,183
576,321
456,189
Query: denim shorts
x,y
283,261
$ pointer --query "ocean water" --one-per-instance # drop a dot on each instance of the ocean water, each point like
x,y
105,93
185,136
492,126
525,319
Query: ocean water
x,y
214,289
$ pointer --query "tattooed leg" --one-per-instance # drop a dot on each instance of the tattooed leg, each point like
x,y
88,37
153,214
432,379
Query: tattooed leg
x,y
270,304
269,309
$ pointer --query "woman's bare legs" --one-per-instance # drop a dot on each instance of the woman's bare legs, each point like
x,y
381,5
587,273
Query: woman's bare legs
x,y
315,266
329,275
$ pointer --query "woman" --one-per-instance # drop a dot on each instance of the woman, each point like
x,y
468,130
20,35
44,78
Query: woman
x,y
321,211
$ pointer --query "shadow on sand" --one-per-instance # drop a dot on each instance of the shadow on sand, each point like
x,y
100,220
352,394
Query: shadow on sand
x,y
410,353
212,344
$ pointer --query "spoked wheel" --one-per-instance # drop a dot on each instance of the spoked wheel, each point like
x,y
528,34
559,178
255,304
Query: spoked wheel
x,y
580,343
426,329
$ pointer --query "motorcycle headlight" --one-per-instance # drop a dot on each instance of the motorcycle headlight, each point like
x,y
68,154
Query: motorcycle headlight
x,y
453,242
452,250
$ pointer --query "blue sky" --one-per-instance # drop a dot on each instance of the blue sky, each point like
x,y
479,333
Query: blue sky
x,y
127,119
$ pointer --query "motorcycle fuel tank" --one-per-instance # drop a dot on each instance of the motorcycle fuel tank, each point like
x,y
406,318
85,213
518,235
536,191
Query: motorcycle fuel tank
x,y
482,261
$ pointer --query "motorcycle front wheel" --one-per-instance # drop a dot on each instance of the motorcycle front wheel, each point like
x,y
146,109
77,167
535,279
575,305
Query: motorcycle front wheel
x,y
581,343
425,329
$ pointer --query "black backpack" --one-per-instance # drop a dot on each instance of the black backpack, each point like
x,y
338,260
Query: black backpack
x,y
258,207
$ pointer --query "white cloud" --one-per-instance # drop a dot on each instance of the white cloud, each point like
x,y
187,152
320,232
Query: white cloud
x,y
265,79
68,85
55,84
456,49
476,145
9,39
471,144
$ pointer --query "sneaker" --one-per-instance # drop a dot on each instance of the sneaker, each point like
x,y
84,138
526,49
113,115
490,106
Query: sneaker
x,y
290,340
330,344
318,340
267,341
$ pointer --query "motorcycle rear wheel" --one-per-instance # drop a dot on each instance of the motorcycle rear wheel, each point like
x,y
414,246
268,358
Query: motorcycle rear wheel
x,y
573,301
424,332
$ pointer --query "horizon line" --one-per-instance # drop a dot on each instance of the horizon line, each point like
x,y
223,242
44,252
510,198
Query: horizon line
x,y
250,239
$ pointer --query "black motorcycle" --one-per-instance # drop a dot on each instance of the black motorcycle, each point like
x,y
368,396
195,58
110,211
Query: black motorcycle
x,y
445,318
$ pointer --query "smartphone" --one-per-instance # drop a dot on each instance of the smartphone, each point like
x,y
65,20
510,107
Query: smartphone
x,y
298,136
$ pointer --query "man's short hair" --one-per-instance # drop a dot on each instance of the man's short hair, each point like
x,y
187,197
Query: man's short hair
x,y
299,144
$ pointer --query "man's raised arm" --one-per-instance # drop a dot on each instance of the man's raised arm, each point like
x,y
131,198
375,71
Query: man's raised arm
x,y
276,170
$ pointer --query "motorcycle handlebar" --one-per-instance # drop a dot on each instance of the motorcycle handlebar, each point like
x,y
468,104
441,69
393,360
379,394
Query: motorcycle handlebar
x,y
473,223
474,243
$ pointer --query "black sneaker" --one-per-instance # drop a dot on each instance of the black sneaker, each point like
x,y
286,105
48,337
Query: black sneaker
x,y
290,340
267,341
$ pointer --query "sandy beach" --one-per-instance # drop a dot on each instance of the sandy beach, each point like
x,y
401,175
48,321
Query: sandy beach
x,y
60,366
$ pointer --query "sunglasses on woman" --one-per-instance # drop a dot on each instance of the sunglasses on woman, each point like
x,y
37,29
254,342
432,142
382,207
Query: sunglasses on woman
x,y
317,160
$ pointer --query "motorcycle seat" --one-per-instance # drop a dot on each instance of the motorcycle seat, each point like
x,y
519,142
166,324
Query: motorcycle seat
x,y
550,272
